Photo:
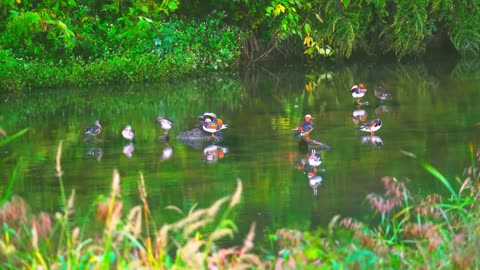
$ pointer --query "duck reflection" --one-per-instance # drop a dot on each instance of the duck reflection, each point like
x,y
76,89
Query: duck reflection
x,y
314,159
383,109
167,153
128,149
374,141
315,181
359,115
309,165
213,153
96,152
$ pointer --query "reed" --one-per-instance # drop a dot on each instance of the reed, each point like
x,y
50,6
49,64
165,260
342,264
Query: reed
x,y
405,230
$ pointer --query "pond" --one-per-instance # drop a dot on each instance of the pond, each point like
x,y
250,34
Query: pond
x,y
433,114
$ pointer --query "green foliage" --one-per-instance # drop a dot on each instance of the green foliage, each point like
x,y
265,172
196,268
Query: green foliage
x,y
407,28
465,28
410,27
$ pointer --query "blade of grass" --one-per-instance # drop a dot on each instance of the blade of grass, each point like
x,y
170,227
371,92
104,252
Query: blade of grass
x,y
440,177
13,137
13,178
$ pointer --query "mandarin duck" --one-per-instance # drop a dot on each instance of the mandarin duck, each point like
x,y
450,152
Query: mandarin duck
x,y
305,128
372,126
165,123
128,133
381,93
94,129
358,91
213,126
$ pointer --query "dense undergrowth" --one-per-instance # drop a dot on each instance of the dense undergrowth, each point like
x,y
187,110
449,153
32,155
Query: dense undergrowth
x,y
51,44
405,230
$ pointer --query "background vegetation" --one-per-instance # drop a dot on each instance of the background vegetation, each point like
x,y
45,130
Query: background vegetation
x,y
84,43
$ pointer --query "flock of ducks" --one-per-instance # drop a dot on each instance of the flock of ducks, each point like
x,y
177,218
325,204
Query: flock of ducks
x,y
211,124
313,159
209,121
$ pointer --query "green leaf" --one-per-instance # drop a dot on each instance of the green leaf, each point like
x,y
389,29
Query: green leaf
x,y
172,5
144,9
13,137
440,177
307,28
346,3
72,3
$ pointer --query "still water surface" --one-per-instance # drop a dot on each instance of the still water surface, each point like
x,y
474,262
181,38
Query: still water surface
x,y
433,114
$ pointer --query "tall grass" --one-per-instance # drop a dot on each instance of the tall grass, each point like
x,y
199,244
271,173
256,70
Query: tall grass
x,y
406,231
130,241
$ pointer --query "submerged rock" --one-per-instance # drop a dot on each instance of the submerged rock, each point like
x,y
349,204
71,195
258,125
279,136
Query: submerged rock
x,y
198,138
310,144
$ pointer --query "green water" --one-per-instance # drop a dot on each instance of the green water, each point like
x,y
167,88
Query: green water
x,y
433,114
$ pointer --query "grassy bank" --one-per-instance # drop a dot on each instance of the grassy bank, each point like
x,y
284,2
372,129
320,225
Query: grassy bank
x,y
405,230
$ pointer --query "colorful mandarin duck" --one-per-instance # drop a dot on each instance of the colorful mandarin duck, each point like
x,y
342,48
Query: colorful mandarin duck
x,y
305,128
94,129
128,133
212,126
372,126
314,159
382,94
358,91
165,123
208,115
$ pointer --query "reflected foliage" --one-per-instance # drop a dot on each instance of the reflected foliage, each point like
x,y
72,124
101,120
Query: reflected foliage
x,y
431,113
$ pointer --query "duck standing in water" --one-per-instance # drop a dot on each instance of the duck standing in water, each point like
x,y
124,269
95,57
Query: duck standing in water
x,y
94,129
128,133
305,128
213,126
372,126
358,91
382,94
165,123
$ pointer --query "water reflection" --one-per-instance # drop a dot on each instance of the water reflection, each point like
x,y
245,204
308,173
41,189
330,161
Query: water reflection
x,y
315,181
383,109
374,141
167,152
213,153
309,165
260,110
95,151
128,149
314,159
359,115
